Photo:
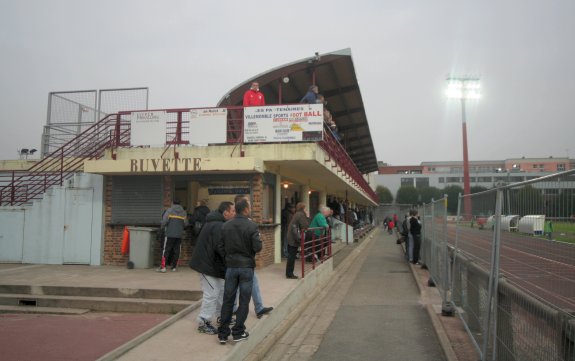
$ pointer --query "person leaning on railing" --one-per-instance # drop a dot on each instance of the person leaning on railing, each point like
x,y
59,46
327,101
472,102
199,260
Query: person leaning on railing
x,y
328,118
299,222
319,222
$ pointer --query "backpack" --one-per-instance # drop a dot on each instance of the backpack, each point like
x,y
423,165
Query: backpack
x,y
198,222
197,228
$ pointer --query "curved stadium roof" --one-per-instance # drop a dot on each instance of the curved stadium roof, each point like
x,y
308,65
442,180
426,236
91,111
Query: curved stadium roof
x,y
336,79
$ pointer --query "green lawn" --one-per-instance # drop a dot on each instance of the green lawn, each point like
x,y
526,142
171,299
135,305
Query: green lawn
x,y
564,231
564,227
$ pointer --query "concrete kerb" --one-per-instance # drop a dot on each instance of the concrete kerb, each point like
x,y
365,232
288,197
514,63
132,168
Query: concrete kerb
x,y
116,353
435,321
257,349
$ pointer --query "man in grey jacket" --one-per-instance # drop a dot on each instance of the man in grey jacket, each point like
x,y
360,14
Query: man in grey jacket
x,y
174,221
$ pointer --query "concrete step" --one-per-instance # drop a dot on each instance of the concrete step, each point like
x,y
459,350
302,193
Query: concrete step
x,y
103,304
183,295
43,310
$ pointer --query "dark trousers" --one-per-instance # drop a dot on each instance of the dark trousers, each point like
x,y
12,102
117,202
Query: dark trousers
x,y
416,247
173,251
292,253
242,279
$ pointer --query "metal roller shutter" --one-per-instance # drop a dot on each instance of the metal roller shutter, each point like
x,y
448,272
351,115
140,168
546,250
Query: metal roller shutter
x,y
137,200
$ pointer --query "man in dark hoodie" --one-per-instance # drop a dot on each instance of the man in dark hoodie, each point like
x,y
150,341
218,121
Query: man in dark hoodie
x,y
174,221
209,260
242,242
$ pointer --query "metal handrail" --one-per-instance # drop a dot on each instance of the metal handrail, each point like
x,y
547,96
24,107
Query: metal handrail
x,y
113,131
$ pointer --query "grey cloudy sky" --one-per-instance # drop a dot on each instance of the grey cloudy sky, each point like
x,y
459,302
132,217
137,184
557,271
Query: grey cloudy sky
x,y
190,53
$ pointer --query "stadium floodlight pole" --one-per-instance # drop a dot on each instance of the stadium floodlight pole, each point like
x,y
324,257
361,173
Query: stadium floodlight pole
x,y
464,89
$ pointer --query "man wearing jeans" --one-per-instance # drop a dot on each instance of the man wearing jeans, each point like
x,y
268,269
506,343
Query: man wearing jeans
x,y
259,307
242,242
208,261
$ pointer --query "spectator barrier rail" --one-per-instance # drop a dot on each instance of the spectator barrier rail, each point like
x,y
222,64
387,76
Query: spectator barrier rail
x,y
113,132
511,278
314,249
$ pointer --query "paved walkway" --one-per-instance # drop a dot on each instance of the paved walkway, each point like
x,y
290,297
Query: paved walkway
x,y
373,312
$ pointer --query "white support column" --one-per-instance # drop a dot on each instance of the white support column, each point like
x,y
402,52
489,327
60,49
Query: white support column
x,y
305,196
277,220
323,198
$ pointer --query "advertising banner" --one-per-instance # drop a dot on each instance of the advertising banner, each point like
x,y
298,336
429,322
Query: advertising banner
x,y
283,123
208,126
148,128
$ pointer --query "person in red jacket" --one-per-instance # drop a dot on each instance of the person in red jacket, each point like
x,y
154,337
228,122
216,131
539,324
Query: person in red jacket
x,y
253,97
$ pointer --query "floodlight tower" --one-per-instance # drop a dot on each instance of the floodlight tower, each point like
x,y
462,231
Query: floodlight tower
x,y
464,89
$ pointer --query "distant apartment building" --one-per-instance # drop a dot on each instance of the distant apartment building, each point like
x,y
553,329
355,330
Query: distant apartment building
x,y
486,173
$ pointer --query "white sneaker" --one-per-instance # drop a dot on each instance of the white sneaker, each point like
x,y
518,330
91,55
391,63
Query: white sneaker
x,y
162,270
174,269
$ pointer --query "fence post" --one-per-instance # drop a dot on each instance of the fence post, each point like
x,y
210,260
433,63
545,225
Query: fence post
x,y
61,166
432,282
302,253
13,190
117,130
329,242
423,246
493,281
455,245
505,347
312,250
567,338
447,308
179,128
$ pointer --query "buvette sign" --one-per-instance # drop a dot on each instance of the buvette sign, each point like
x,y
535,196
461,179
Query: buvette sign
x,y
283,123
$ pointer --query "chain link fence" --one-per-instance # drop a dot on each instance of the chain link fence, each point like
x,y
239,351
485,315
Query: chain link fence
x,y
506,263
72,112
388,210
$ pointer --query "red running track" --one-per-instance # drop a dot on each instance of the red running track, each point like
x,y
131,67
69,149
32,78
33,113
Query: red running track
x,y
80,337
544,268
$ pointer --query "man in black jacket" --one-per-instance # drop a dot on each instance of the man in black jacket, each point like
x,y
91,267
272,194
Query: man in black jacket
x,y
415,231
242,242
209,260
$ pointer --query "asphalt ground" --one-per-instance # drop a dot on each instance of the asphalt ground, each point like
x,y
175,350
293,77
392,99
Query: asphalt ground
x,y
373,311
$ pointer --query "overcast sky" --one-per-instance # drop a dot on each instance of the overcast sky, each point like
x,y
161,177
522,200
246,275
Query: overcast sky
x,y
190,53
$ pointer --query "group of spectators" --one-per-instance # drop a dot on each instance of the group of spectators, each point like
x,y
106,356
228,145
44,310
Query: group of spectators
x,y
410,233
227,241
254,97
224,257
297,220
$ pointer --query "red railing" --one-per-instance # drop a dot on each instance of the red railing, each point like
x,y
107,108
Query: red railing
x,y
25,186
314,249
113,132
345,164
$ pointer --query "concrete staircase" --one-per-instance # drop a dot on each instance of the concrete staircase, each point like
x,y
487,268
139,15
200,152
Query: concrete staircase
x,y
76,300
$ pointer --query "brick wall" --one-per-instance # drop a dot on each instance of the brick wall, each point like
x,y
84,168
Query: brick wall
x,y
266,256
257,189
267,232
113,233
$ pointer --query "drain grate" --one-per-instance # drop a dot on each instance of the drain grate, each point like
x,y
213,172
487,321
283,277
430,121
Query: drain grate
x,y
397,271
27,302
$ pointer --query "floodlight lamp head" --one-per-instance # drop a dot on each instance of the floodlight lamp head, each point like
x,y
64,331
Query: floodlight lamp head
x,y
463,88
